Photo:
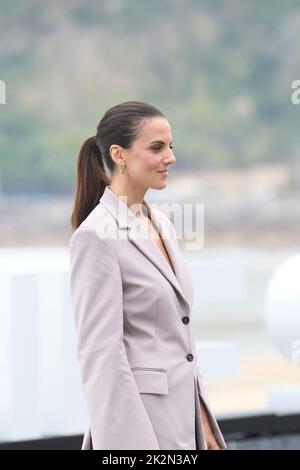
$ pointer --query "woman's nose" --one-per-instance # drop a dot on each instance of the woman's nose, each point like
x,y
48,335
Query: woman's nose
x,y
171,158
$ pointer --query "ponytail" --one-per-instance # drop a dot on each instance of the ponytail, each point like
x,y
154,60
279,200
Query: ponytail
x,y
91,181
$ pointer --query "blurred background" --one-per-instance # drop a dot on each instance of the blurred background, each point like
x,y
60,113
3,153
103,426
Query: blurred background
x,y
222,73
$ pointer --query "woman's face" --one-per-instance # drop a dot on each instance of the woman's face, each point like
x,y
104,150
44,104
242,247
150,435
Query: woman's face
x,y
150,154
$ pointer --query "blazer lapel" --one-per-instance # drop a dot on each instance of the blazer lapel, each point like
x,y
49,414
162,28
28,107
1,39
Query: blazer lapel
x,y
172,247
138,235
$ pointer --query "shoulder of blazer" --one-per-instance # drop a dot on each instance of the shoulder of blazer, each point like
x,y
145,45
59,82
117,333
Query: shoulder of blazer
x,y
101,223
94,224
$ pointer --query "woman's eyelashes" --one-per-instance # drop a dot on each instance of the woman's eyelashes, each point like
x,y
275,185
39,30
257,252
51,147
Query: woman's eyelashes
x,y
160,147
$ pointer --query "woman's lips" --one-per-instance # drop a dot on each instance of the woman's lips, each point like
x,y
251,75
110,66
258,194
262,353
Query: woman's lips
x,y
164,172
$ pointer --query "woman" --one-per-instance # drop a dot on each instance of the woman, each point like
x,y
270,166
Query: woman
x,y
132,295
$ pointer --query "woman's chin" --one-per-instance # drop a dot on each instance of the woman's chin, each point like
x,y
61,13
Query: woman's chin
x,y
159,185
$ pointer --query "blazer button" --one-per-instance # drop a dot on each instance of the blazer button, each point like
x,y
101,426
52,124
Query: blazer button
x,y
190,357
185,320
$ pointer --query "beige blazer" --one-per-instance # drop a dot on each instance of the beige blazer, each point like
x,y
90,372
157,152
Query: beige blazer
x,y
135,345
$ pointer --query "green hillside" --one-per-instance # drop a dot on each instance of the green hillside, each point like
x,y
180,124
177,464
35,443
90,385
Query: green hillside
x,y
220,71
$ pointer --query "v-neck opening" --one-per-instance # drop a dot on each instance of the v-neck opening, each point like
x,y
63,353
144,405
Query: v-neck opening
x,y
166,250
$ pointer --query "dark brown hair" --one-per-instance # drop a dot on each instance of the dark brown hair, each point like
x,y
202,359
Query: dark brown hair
x,y
120,125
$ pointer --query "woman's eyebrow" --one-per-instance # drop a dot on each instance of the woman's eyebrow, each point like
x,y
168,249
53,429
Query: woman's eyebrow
x,y
159,142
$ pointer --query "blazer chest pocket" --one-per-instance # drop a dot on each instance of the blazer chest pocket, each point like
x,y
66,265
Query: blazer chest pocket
x,y
150,380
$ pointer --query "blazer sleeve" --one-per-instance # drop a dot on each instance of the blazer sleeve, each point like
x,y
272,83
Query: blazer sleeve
x,y
117,416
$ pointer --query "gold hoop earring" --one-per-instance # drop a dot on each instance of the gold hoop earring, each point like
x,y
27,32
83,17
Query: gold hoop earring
x,y
123,169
